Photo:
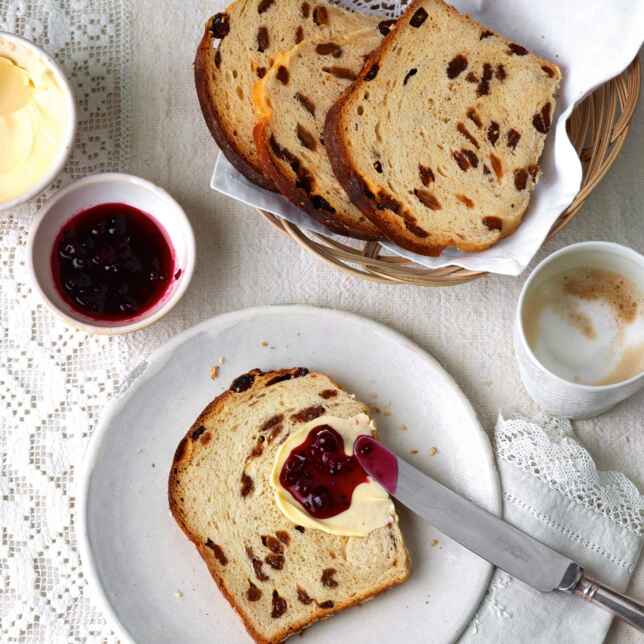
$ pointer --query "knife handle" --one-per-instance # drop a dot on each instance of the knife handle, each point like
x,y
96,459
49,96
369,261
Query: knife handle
x,y
621,606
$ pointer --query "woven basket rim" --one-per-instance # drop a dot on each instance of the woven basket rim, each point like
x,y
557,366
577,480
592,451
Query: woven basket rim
x,y
598,128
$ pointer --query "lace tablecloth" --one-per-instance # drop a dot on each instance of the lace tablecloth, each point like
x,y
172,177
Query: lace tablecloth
x,y
54,381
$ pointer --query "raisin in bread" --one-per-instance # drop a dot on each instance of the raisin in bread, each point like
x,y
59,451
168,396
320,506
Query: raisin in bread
x,y
291,111
279,577
438,141
250,32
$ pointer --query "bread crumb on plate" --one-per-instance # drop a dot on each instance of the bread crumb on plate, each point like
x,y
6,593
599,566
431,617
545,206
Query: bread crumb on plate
x,y
214,373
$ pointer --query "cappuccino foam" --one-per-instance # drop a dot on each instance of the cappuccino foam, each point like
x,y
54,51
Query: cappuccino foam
x,y
587,326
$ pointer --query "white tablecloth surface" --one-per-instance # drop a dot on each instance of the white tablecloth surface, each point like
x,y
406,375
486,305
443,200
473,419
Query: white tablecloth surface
x,y
243,261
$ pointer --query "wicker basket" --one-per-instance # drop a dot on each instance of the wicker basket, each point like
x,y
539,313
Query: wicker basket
x,y
598,128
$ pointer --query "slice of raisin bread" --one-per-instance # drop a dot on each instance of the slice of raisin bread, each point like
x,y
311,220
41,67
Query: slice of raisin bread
x,y
439,140
291,111
250,32
279,577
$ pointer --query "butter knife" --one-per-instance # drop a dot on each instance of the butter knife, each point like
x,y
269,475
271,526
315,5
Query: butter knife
x,y
491,538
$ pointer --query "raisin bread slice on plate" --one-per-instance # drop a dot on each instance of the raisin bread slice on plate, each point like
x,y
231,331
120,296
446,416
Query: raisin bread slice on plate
x,y
291,103
279,577
438,141
250,32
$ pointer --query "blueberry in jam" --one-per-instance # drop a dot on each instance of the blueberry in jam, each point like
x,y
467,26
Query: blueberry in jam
x,y
112,262
320,476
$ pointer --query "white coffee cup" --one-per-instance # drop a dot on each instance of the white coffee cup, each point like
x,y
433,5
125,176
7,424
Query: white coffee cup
x,y
554,394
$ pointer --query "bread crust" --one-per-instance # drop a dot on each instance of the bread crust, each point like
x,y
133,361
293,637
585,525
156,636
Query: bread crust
x,y
350,179
354,184
334,222
357,187
203,77
184,453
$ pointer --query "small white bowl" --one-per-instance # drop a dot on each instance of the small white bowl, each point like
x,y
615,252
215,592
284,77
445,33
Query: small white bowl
x,y
26,54
92,191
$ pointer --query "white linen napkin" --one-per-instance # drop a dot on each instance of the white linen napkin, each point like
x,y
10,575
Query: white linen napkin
x,y
553,491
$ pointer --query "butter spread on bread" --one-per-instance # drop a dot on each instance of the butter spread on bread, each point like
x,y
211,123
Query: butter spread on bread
x,y
370,506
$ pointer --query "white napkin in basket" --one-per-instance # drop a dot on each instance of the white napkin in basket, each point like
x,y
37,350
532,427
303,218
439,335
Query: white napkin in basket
x,y
552,490
591,40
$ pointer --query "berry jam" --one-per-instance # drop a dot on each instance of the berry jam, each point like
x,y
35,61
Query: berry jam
x,y
320,476
112,262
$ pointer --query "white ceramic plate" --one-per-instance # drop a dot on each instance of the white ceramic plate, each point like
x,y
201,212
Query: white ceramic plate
x,y
146,574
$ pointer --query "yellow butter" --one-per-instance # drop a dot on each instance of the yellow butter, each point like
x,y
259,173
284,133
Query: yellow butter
x,y
371,507
33,121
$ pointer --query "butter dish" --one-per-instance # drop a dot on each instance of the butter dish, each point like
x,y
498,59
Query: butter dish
x,y
37,120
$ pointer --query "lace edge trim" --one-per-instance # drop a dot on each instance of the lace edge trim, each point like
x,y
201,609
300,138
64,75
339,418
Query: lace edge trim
x,y
629,506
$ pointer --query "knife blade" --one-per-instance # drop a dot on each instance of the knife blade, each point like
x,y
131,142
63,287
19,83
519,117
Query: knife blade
x,y
498,542
479,531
